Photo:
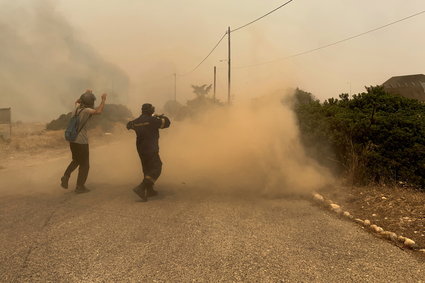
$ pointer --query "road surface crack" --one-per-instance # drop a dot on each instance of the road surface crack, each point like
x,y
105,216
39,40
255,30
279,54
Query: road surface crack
x,y
38,240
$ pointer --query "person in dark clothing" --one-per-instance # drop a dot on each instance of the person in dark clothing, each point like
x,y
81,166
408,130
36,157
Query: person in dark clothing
x,y
147,130
84,108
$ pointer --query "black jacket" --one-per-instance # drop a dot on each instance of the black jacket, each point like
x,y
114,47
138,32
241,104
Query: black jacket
x,y
147,131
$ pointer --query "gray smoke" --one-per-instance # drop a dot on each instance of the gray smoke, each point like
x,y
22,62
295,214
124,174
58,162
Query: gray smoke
x,y
45,66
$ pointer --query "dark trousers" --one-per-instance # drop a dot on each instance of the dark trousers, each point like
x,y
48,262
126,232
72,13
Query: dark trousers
x,y
151,165
80,158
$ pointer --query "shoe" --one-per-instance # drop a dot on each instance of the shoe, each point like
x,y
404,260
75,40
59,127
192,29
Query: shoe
x,y
81,189
64,182
142,192
152,192
149,187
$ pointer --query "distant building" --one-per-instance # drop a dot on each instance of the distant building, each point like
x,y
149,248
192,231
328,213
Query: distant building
x,y
411,86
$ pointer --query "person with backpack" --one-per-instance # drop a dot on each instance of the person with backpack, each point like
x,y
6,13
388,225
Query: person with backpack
x,y
147,130
76,134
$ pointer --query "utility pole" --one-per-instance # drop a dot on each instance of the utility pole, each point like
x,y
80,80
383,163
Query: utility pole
x,y
215,80
175,87
229,67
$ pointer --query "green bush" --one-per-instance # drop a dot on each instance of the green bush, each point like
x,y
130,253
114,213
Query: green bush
x,y
372,137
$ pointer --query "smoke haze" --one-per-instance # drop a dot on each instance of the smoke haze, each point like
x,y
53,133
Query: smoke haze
x,y
154,39
44,64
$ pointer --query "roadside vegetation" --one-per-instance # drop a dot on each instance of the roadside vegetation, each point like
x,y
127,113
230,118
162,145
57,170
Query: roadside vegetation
x,y
375,143
370,138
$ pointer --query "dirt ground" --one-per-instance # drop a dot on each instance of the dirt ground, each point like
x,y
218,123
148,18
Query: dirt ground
x,y
396,209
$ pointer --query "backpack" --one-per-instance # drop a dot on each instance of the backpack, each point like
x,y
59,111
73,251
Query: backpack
x,y
73,128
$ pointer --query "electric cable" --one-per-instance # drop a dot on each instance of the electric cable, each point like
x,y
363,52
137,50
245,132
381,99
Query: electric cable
x,y
333,43
263,16
197,66
241,27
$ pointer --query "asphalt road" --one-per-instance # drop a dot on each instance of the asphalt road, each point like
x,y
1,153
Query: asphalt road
x,y
186,234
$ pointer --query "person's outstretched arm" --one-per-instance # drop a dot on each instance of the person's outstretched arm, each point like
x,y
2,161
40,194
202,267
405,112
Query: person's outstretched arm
x,y
99,109
163,121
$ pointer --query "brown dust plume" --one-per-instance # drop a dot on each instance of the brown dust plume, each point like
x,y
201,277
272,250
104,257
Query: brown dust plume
x,y
253,146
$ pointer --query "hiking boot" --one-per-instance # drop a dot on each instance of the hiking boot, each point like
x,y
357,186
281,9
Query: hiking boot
x,y
142,192
81,189
64,182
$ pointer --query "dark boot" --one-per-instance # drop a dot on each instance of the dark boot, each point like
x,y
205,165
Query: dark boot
x,y
142,192
149,187
151,191
81,189
64,181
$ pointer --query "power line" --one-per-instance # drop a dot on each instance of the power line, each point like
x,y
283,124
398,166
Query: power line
x,y
274,10
333,43
197,66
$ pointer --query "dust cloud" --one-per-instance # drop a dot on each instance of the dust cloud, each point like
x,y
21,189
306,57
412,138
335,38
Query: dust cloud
x,y
250,147
45,65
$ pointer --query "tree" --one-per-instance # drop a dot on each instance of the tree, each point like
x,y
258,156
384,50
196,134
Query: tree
x,y
193,106
201,91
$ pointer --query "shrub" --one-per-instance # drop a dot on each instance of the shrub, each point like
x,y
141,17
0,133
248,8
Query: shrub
x,y
372,137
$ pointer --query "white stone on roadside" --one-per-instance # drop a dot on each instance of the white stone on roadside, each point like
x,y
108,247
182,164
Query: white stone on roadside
x,y
346,213
401,239
409,243
387,234
422,250
367,222
337,210
393,236
376,228
379,229
374,215
384,198
358,220
335,206
318,197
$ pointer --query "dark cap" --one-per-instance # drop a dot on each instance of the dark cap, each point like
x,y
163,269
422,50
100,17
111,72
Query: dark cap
x,y
148,108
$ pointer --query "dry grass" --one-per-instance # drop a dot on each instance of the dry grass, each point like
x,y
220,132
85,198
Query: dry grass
x,y
32,139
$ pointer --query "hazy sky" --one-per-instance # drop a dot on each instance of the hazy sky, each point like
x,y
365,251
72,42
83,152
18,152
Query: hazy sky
x,y
152,39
